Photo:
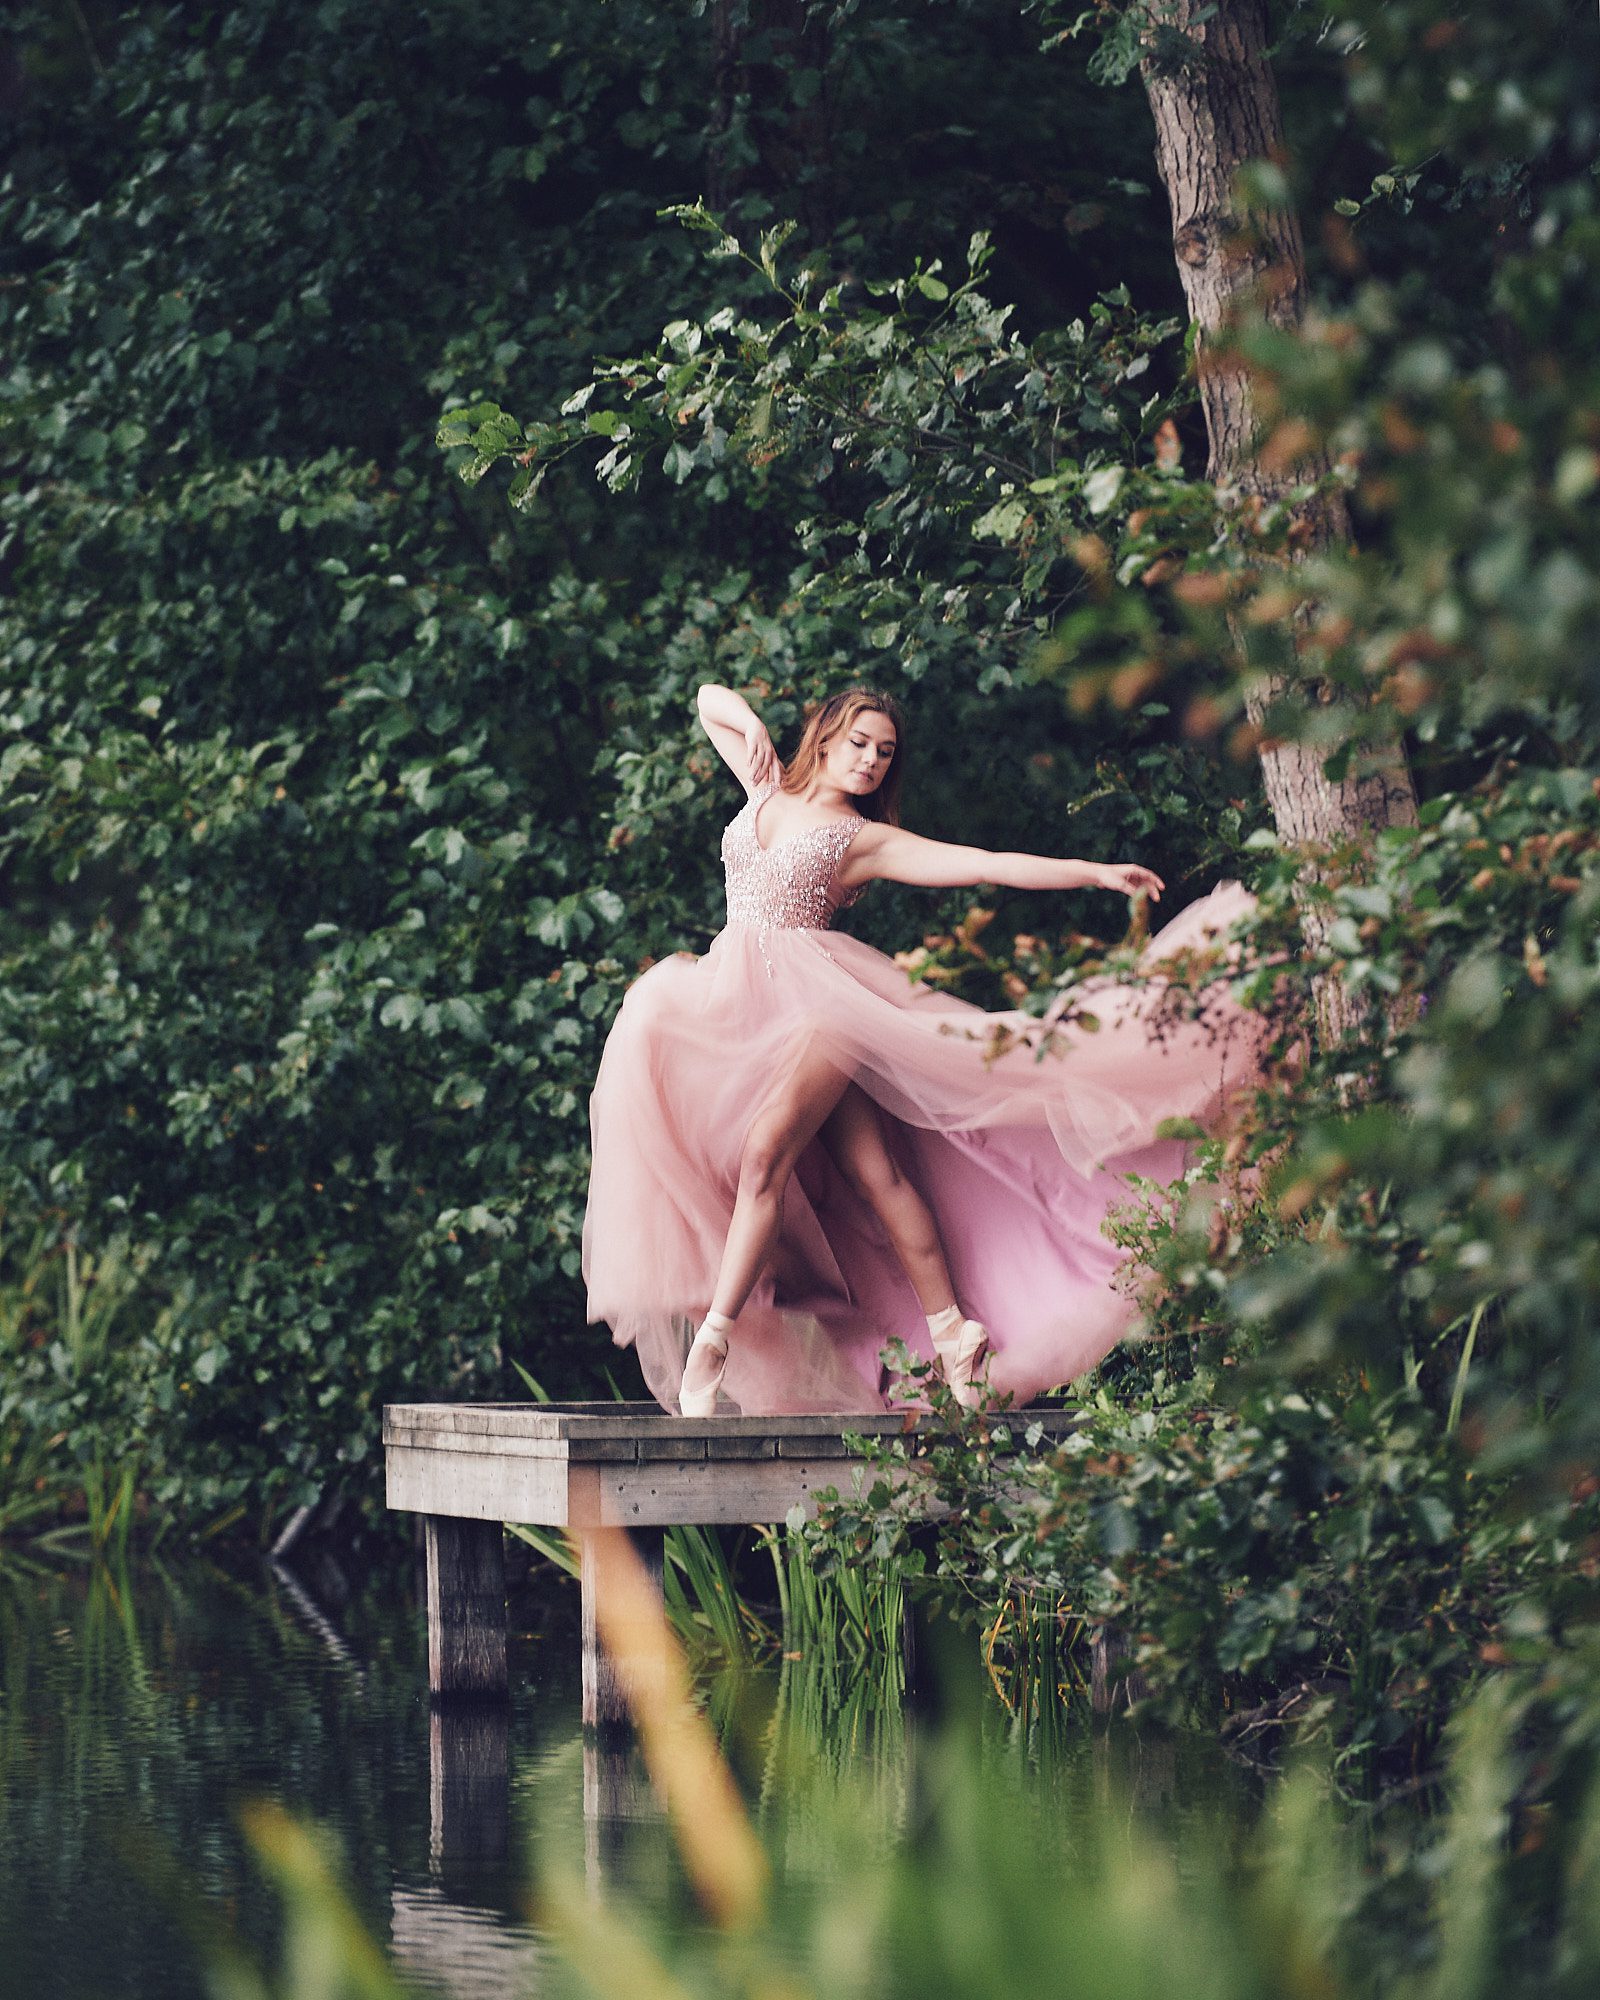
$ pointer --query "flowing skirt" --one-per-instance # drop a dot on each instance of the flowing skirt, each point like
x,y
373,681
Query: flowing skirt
x,y
1020,1155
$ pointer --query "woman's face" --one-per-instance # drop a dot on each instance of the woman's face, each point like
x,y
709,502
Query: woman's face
x,y
858,756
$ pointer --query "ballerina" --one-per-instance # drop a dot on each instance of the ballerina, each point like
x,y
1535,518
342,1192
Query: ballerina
x,y
802,1155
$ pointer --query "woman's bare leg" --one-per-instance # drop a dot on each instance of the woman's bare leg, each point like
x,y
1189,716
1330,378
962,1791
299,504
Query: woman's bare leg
x,y
854,1138
779,1133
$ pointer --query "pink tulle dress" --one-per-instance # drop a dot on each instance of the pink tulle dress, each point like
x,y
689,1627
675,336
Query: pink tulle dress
x,y
1019,1156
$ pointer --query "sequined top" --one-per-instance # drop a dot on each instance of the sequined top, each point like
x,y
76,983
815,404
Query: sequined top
x,y
790,885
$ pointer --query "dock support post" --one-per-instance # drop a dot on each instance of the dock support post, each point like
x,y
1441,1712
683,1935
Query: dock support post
x,y
1107,1687
605,1700
466,1606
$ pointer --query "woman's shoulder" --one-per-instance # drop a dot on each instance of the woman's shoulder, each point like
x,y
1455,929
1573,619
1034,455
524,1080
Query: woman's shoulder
x,y
755,796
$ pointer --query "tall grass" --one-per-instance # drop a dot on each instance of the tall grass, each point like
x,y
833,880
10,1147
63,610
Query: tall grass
x,y
849,1621
1036,1655
710,1617
69,1318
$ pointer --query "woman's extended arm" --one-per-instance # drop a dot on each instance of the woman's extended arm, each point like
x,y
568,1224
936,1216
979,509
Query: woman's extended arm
x,y
890,854
738,735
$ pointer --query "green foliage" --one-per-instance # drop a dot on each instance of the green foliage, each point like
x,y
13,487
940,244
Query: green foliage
x,y
921,424
1347,1471
100,1356
296,938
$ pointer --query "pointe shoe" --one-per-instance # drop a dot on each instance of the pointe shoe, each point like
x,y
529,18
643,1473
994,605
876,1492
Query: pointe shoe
x,y
959,1352
702,1402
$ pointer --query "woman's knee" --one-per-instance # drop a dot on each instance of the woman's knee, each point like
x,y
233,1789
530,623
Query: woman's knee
x,y
871,1172
766,1160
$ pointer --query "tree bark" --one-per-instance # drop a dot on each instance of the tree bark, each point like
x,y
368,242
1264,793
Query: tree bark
x,y
728,84
1215,111
760,135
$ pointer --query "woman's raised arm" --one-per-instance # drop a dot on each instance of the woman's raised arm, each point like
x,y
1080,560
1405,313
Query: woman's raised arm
x,y
890,854
738,735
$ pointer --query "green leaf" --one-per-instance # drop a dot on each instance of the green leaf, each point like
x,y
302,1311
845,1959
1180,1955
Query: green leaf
x,y
464,1017
1102,486
1002,522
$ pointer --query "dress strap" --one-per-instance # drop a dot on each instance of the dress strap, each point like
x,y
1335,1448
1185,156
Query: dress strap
x,y
838,839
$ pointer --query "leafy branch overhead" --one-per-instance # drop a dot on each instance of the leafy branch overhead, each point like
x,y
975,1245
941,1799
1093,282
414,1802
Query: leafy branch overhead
x,y
937,465
903,418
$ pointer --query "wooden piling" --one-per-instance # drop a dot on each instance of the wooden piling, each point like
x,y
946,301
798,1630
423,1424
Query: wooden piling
x,y
605,1702
466,1606
467,1467
1109,1688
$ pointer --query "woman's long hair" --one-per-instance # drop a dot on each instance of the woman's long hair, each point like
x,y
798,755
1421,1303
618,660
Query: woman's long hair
x,y
830,719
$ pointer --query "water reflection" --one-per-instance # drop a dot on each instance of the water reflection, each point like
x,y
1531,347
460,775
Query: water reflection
x,y
461,1950
138,1710
469,1790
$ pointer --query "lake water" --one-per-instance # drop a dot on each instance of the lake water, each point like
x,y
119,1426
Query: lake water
x,y
139,1711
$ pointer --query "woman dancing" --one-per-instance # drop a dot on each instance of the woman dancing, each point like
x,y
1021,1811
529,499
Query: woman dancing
x,y
803,1156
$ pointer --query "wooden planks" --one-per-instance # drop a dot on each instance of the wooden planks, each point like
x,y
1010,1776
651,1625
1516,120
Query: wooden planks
x,y
578,1465
477,1486
577,1428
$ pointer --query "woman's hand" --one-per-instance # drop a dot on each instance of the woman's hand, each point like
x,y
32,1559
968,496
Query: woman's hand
x,y
738,735
760,756
1129,879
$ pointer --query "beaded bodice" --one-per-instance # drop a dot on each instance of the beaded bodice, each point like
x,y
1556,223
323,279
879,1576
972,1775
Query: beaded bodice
x,y
788,886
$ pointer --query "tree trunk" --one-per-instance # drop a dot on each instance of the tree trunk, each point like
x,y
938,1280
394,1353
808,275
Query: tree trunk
x,y
763,133
728,84
1214,112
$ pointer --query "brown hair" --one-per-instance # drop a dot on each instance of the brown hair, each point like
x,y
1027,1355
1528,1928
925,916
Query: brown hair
x,y
828,720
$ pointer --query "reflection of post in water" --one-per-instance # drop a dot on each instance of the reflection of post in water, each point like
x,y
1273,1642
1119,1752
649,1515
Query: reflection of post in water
x,y
616,1793
469,1786
1135,1772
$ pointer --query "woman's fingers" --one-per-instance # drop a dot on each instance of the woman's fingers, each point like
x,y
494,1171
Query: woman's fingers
x,y
763,758
1136,881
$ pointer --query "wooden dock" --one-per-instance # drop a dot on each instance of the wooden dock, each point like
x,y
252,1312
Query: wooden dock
x,y
466,1468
